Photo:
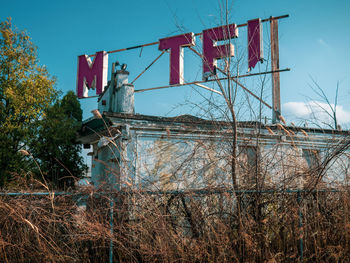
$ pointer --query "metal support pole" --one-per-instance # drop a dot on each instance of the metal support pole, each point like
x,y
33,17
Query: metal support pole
x,y
301,232
276,101
111,204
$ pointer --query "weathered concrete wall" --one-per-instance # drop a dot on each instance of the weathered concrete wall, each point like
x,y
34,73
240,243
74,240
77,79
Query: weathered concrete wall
x,y
180,162
105,170
163,156
184,162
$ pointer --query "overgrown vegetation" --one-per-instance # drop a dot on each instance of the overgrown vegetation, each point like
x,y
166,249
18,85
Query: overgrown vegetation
x,y
56,144
176,227
33,120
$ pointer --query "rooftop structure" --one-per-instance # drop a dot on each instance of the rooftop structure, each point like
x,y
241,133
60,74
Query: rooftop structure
x,y
187,152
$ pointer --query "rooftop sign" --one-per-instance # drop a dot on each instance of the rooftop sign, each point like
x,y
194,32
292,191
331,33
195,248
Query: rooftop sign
x,y
93,75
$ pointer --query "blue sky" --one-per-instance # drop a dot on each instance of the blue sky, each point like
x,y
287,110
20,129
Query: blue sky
x,y
314,43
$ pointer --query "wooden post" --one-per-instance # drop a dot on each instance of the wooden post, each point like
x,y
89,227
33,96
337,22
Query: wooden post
x,y
275,65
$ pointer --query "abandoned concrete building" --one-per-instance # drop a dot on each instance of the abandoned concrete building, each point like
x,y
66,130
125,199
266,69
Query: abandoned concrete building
x,y
186,152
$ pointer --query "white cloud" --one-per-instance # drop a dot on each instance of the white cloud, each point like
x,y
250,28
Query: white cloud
x,y
322,42
315,112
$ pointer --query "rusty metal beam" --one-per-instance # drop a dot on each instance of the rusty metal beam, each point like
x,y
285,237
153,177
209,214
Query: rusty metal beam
x,y
132,82
247,90
235,80
211,80
197,34
207,88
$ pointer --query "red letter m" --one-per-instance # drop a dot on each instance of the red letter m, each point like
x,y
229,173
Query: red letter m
x,y
92,75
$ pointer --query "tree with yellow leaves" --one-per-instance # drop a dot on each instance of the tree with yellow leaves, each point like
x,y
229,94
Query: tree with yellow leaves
x,y
26,90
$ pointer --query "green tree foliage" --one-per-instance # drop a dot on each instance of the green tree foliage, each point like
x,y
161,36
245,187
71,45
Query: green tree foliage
x,y
56,146
26,90
33,119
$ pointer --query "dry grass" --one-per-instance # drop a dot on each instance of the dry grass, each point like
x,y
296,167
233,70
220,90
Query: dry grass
x,y
202,227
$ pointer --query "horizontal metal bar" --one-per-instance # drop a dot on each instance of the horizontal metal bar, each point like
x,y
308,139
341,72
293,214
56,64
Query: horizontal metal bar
x,y
207,88
211,80
178,192
37,194
197,34
134,47
201,191
90,97
267,19
247,90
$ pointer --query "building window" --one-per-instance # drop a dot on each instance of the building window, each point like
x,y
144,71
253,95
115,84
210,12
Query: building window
x,y
312,157
248,162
